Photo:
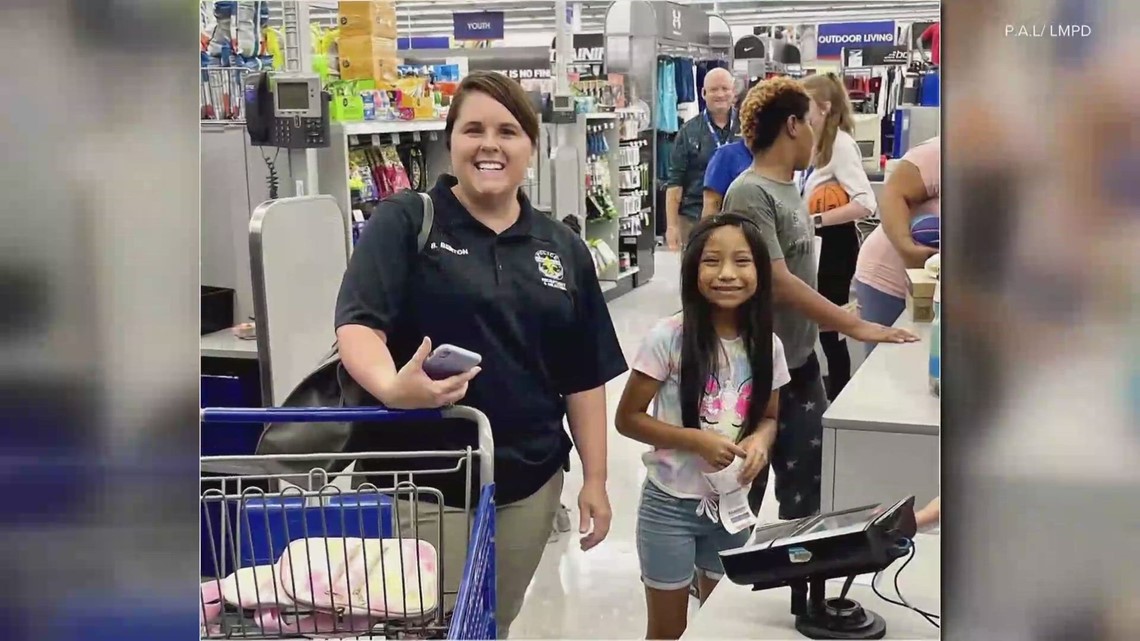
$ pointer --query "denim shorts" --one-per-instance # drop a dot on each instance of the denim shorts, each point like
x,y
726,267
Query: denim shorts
x,y
672,539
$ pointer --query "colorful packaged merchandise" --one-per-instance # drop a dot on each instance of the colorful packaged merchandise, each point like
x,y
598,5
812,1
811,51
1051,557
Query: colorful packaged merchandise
x,y
367,57
360,18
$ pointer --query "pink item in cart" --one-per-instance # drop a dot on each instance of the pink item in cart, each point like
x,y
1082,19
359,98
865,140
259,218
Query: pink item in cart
x,y
211,612
395,578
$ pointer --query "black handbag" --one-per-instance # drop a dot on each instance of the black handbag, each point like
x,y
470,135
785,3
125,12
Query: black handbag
x,y
329,385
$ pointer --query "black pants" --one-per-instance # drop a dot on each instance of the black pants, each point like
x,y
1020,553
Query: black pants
x,y
797,456
838,254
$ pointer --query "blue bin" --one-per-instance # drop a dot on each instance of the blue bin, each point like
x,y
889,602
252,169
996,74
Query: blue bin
x,y
928,92
267,526
228,439
896,148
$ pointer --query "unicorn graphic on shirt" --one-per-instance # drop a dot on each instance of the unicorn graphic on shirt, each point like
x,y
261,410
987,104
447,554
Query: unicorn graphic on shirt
x,y
725,409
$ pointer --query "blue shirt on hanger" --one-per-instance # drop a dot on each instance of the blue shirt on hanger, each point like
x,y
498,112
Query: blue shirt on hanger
x,y
666,96
686,83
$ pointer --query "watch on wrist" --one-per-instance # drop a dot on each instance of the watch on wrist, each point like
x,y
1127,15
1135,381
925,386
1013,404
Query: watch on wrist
x,y
817,220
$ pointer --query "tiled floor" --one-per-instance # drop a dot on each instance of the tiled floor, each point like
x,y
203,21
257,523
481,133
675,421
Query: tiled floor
x,y
598,594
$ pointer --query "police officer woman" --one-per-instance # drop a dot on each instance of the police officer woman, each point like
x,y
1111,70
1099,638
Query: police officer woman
x,y
513,285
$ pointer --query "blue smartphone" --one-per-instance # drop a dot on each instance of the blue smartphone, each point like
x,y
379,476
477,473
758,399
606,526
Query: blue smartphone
x,y
446,361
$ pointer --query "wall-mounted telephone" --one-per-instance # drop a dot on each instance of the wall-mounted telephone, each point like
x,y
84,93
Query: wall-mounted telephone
x,y
286,110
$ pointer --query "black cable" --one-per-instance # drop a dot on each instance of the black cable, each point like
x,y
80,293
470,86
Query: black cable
x,y
902,602
273,181
927,615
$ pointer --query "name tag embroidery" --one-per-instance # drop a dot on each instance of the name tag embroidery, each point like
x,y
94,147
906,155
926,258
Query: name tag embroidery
x,y
446,247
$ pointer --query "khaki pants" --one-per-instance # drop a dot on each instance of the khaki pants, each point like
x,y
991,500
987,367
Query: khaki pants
x,y
522,530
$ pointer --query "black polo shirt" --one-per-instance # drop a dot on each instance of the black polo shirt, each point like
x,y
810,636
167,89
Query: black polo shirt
x,y
693,148
528,300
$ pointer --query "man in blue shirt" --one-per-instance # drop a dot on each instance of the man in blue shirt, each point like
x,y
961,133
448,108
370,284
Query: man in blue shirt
x,y
726,164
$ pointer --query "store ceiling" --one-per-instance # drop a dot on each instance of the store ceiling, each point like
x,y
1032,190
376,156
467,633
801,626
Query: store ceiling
x,y
433,17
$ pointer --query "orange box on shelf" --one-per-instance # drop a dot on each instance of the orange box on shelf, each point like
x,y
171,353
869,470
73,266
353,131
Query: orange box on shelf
x,y
363,57
375,18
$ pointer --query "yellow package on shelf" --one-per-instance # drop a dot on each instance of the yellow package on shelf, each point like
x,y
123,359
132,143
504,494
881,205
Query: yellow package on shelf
x,y
376,18
364,57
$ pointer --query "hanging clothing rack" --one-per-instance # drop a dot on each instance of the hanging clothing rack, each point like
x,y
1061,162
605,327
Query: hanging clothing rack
x,y
691,49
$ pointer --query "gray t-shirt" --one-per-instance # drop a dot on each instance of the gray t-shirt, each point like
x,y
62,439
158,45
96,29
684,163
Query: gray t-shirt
x,y
782,215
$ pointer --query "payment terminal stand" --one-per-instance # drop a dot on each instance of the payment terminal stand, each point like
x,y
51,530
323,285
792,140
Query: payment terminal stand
x,y
838,618
804,554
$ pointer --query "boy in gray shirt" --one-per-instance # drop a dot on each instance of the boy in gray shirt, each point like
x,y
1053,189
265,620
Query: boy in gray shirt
x,y
774,125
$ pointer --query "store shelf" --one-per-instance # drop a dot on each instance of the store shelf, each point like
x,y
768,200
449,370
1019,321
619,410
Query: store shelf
x,y
625,274
222,124
391,127
601,116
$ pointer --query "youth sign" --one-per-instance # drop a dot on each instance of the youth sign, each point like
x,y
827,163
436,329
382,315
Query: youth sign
x,y
833,37
483,25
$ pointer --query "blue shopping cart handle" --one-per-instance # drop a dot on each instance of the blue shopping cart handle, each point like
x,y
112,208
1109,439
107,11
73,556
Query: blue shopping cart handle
x,y
314,414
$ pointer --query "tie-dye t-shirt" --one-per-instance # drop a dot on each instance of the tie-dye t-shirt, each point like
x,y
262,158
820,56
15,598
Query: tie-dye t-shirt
x,y
723,408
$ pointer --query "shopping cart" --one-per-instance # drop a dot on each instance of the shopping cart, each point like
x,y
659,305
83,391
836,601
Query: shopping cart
x,y
281,549
222,93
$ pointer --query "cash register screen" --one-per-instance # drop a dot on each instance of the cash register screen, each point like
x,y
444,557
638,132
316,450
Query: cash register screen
x,y
292,95
767,535
844,520
773,534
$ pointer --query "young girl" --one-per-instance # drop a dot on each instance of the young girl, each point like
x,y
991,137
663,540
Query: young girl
x,y
708,369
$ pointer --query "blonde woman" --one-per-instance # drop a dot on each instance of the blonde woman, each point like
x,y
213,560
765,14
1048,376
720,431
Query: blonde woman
x,y
836,158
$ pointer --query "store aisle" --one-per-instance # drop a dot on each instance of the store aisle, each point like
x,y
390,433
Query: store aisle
x,y
599,594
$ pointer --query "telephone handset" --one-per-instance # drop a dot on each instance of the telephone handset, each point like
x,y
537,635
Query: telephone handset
x,y
258,109
293,112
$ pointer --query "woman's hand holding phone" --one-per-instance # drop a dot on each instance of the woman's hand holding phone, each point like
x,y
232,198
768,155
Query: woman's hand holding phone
x,y
413,389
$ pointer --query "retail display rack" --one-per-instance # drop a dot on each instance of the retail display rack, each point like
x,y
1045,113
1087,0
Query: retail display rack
x,y
637,33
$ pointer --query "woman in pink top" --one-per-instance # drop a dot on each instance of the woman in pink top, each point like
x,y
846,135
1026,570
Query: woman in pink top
x,y
914,188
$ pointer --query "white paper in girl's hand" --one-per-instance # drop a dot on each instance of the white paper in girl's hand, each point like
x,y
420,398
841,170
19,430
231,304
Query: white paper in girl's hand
x,y
733,508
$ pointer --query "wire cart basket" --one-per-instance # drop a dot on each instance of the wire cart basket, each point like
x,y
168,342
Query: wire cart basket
x,y
337,554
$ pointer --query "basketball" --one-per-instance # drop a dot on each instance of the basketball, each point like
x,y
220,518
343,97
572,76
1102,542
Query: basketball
x,y
925,230
828,196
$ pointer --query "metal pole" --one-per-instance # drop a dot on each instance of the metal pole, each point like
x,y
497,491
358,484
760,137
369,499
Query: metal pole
x,y
562,47
291,27
299,59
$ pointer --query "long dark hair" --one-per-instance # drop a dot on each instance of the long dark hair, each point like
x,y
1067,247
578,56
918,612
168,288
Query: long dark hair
x,y
700,346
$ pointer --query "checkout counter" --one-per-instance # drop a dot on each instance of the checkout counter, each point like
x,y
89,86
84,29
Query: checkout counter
x,y
224,344
298,254
881,435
